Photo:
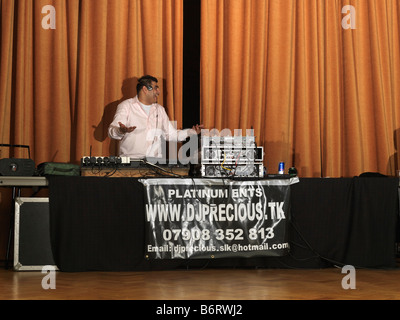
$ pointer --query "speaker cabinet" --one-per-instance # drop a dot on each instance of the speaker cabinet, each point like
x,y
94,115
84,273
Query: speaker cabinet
x,y
17,167
32,246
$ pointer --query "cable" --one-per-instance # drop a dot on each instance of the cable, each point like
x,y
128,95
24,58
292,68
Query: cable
x,y
334,262
222,164
163,170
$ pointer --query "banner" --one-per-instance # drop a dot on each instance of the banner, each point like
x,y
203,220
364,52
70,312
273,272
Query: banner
x,y
216,218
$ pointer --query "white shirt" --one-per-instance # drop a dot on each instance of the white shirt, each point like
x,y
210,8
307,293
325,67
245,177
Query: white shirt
x,y
145,107
145,140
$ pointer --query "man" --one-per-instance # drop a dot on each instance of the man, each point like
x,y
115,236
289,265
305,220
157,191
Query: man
x,y
140,123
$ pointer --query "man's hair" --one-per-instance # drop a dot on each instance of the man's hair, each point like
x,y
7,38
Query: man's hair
x,y
145,81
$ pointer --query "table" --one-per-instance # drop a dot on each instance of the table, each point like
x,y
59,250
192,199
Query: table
x,y
19,182
131,172
98,224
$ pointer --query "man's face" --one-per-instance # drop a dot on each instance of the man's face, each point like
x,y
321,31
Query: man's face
x,y
152,95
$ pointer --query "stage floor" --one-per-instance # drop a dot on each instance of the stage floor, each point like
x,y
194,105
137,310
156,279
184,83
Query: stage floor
x,y
204,284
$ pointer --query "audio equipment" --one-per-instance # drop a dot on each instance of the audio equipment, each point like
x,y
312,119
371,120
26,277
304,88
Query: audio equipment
x,y
126,167
231,156
249,170
17,167
234,154
111,161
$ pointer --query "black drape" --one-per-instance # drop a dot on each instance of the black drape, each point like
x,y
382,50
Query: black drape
x,y
98,224
94,223
347,220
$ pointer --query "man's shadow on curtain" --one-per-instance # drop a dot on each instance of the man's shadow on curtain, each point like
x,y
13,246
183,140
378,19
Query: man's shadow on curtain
x,y
393,162
128,90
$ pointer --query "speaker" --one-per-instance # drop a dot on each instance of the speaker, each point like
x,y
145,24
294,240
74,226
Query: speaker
x,y
32,244
17,167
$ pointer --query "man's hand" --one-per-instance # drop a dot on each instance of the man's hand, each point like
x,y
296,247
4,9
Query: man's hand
x,y
197,128
124,129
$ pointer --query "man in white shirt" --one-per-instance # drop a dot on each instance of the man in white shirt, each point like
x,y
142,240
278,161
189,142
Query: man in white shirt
x,y
140,123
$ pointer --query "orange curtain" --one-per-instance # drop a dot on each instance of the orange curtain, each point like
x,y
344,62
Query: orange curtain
x,y
317,80
65,65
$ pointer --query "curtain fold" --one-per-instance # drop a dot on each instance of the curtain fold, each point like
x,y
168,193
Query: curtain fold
x,y
320,95
6,63
65,66
316,79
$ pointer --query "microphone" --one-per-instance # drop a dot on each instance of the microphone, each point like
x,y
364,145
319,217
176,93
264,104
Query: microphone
x,y
157,119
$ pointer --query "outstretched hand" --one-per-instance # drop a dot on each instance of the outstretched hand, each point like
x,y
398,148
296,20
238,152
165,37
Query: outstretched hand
x,y
197,128
124,129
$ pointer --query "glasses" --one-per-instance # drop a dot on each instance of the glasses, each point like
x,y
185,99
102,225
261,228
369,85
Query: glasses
x,y
156,87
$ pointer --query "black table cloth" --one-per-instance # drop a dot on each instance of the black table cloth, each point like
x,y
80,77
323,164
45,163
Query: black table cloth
x,y
97,224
